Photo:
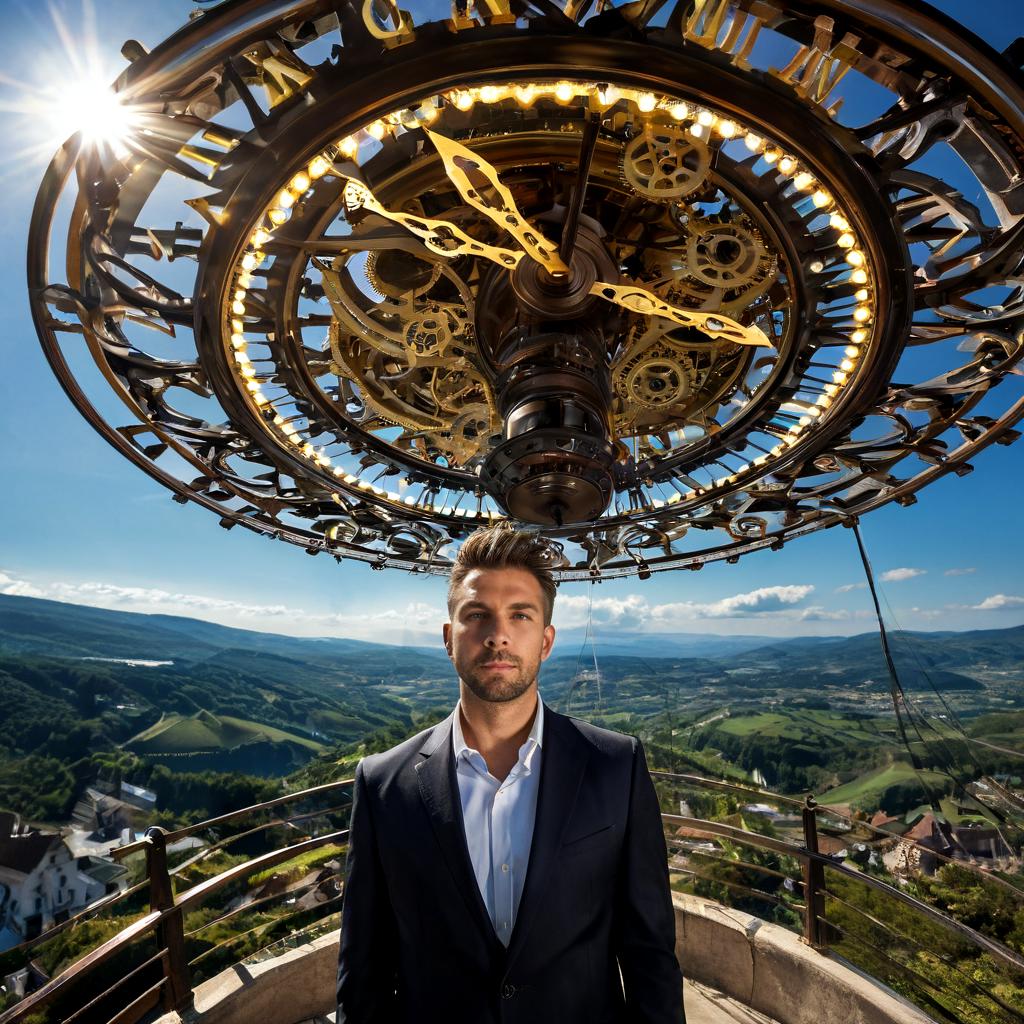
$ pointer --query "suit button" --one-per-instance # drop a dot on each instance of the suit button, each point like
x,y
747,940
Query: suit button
x,y
508,991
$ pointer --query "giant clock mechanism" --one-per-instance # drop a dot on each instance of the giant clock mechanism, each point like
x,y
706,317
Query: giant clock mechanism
x,y
668,282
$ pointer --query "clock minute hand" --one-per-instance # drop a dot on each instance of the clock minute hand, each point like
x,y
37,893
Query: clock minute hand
x,y
714,325
458,162
440,236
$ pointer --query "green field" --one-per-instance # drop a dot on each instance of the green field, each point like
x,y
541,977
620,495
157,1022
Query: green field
x,y
206,732
869,790
807,725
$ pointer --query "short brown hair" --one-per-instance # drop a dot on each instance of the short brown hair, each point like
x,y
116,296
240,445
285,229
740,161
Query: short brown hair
x,y
502,546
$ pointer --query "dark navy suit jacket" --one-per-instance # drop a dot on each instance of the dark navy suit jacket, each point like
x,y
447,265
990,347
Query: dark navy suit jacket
x,y
417,944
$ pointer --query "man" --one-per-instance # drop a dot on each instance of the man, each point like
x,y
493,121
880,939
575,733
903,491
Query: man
x,y
507,865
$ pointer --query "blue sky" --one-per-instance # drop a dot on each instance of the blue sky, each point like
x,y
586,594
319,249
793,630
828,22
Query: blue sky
x,y
81,524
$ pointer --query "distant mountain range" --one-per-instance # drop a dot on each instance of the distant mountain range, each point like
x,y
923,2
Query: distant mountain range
x,y
57,629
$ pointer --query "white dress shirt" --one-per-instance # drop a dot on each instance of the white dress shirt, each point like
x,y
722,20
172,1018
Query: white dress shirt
x,y
498,819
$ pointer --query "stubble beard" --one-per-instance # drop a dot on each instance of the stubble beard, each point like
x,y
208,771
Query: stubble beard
x,y
499,687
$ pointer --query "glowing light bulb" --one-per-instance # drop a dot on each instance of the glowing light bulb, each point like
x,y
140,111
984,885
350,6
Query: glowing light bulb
x,y
300,182
428,112
821,198
277,217
348,146
464,100
852,351
846,241
377,130
285,200
753,142
260,237
839,377
698,131
862,295
771,155
646,102
787,164
249,261
679,111
490,94
855,258
706,118
525,94
859,337
238,341
727,129
846,365
318,167
859,277
238,308
564,92
862,314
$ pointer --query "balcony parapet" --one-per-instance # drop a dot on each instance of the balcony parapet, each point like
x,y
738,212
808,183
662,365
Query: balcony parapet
x,y
759,965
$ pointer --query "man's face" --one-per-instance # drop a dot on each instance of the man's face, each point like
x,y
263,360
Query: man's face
x,y
497,637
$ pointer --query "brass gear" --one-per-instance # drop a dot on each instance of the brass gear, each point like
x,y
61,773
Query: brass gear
x,y
729,255
664,162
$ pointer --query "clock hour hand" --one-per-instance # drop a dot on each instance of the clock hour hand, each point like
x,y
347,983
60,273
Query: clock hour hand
x,y
441,237
714,325
459,163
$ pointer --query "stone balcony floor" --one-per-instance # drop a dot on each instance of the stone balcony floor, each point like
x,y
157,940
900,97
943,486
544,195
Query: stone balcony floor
x,y
703,1006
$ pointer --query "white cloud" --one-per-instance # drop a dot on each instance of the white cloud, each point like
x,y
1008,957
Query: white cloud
x,y
959,572
18,588
635,612
847,587
997,601
415,623
899,575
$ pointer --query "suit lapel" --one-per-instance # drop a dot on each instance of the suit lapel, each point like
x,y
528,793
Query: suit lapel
x,y
564,757
439,789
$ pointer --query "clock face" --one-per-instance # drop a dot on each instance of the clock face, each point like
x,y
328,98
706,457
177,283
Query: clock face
x,y
669,288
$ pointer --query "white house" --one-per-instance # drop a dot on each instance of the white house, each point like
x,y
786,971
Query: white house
x,y
43,883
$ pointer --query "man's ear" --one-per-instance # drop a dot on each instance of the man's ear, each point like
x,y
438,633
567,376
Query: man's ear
x,y
446,632
549,642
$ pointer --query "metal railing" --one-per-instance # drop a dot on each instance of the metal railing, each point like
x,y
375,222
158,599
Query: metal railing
x,y
164,976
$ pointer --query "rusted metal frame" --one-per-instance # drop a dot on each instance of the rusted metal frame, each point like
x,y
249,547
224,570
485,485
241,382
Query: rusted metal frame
x,y
170,932
189,900
700,782
717,828
814,882
291,891
276,823
231,940
736,863
990,946
82,915
189,830
902,968
138,1008
197,895
101,954
746,890
917,945
159,955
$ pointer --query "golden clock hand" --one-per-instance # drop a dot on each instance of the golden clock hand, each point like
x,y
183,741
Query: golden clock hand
x,y
458,162
714,325
439,236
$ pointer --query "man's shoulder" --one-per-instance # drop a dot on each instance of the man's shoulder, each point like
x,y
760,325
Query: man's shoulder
x,y
389,763
606,741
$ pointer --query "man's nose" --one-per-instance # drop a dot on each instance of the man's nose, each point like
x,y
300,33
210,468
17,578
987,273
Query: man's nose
x,y
497,636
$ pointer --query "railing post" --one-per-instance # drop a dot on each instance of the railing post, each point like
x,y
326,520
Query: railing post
x,y
170,933
815,931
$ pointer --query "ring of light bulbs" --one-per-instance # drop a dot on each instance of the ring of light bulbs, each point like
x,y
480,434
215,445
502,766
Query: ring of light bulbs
x,y
700,122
